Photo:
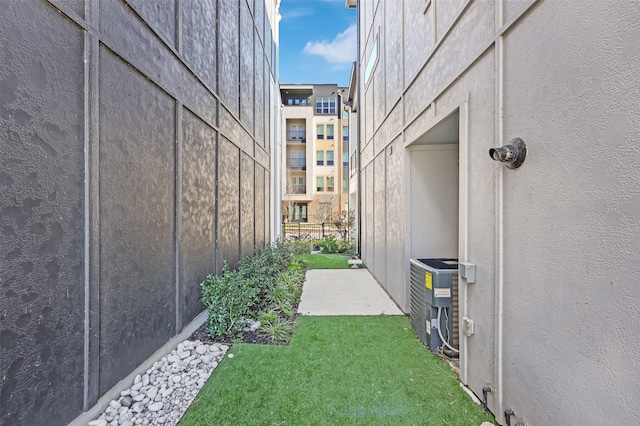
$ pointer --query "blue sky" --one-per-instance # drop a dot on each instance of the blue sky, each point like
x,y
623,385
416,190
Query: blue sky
x,y
317,42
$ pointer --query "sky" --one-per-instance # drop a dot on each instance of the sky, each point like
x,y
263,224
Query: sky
x,y
317,42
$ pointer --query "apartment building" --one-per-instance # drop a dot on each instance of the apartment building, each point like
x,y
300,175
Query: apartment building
x,y
315,162
549,320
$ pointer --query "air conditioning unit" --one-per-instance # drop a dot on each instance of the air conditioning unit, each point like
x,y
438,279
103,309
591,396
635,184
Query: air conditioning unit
x,y
434,301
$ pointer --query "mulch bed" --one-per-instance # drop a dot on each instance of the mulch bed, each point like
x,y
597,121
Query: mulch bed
x,y
248,337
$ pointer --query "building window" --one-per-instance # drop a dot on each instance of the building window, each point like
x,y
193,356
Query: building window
x,y
301,133
345,115
299,186
297,102
330,184
320,184
330,158
300,212
371,62
320,131
329,131
293,133
345,159
320,158
325,105
345,184
345,133
297,160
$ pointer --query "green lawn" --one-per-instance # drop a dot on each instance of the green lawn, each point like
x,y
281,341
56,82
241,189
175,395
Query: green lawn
x,y
338,371
325,261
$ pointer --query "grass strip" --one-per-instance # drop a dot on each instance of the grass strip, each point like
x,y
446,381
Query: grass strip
x,y
348,370
325,261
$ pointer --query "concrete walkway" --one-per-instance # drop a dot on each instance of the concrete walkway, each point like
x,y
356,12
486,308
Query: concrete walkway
x,y
344,292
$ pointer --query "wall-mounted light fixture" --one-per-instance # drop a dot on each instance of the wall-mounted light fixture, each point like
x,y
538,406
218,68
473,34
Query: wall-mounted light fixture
x,y
512,154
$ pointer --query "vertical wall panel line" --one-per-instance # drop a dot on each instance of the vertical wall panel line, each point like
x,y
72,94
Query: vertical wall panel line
x,y
239,27
499,290
92,208
87,222
239,204
178,29
216,196
178,209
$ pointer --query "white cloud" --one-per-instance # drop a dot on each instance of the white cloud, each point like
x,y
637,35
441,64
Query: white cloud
x,y
298,12
341,49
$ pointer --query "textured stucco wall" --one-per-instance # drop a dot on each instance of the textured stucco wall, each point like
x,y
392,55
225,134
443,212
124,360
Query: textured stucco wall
x,y
41,215
136,218
556,242
134,158
581,279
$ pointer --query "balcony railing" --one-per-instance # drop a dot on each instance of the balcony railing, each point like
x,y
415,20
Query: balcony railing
x,y
297,189
297,163
296,136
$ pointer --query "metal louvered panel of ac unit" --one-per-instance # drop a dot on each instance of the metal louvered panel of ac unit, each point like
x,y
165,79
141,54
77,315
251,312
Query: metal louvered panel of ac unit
x,y
419,303
455,308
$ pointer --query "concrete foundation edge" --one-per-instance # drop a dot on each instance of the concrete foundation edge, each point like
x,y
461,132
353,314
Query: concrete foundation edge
x,y
125,383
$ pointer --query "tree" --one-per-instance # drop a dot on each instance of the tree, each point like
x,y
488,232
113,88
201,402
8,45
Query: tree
x,y
346,221
289,203
328,207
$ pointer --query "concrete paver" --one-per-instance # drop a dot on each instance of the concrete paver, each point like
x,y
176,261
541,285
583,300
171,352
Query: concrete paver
x,y
344,292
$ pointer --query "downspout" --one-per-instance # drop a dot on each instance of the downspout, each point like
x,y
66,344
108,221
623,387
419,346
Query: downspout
x,y
500,261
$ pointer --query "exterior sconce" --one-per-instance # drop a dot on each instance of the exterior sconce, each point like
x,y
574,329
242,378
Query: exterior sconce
x,y
512,154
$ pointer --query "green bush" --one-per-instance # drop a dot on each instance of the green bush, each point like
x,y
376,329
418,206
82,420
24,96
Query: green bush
x,y
234,296
228,299
277,320
301,246
280,330
328,244
265,264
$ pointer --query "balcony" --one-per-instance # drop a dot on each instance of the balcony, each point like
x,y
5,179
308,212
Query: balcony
x,y
297,163
297,189
296,136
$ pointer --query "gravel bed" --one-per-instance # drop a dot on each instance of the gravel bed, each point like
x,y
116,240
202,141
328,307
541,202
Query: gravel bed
x,y
162,395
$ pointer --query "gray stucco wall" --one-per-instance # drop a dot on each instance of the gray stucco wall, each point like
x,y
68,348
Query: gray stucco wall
x,y
556,242
130,167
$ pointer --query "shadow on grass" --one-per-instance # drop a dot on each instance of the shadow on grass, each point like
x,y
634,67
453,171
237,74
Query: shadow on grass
x,y
338,370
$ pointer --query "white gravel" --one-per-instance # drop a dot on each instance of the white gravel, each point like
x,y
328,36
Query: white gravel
x,y
162,395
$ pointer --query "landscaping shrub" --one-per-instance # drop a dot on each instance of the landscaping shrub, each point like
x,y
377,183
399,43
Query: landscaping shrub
x,y
265,264
328,244
228,299
277,320
301,246
267,283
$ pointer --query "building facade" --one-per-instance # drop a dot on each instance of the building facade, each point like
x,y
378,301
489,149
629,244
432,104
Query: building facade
x,y
315,162
555,242
136,155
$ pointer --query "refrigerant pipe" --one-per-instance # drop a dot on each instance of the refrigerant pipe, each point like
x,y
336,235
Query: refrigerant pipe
x,y
444,342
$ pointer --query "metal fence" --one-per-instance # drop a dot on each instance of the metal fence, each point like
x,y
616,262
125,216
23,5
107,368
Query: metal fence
x,y
312,231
